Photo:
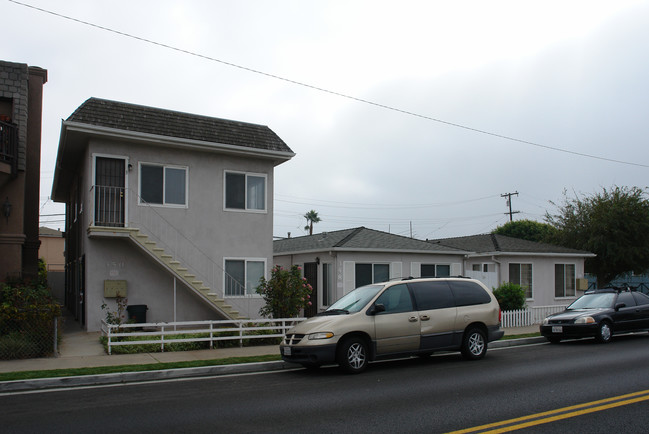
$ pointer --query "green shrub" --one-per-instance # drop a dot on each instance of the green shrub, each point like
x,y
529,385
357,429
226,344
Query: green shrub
x,y
510,296
285,293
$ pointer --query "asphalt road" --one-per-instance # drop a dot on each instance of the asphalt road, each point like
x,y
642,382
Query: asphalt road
x,y
440,394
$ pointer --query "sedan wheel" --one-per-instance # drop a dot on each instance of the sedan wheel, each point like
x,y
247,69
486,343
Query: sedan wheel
x,y
474,344
605,332
352,355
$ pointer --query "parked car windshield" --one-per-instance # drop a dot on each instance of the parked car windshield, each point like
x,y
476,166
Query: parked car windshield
x,y
594,301
355,300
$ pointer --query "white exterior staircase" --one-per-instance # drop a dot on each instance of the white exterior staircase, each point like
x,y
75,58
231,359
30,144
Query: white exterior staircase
x,y
174,266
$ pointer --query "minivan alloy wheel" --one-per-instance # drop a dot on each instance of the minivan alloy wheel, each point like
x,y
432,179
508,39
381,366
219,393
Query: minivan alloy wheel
x,y
474,345
352,355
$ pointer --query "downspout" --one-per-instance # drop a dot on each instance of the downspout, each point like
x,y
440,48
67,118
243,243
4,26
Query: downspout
x,y
493,258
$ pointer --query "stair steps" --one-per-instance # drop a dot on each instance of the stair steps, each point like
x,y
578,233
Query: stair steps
x,y
181,272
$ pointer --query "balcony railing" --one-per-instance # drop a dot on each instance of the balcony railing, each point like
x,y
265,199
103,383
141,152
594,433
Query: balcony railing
x,y
9,145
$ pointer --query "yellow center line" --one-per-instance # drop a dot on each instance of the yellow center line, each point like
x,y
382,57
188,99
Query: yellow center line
x,y
558,414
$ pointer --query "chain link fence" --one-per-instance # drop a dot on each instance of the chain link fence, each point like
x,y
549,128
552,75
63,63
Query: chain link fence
x,y
33,335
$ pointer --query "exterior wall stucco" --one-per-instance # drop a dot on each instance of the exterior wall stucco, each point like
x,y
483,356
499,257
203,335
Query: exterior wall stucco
x,y
406,260
543,277
542,269
113,259
202,228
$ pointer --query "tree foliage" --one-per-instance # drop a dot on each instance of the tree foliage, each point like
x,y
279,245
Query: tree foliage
x,y
510,296
311,218
613,224
527,230
285,293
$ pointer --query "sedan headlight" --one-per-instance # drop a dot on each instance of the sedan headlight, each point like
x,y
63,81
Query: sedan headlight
x,y
546,321
321,335
585,320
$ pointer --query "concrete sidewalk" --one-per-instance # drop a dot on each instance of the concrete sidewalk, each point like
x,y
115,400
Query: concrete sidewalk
x,y
80,349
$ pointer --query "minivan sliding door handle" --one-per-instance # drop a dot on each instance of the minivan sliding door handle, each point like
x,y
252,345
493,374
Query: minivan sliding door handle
x,y
424,317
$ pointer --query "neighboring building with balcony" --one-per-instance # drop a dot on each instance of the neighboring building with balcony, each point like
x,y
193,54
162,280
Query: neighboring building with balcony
x,y
171,210
21,106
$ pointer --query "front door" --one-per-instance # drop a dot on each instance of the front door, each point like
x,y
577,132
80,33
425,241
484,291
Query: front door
x,y
110,191
311,275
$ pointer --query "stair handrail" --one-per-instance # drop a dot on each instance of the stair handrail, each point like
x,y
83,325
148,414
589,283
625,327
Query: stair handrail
x,y
184,250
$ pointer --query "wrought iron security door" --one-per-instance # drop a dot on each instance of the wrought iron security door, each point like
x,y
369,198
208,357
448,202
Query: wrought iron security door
x,y
109,192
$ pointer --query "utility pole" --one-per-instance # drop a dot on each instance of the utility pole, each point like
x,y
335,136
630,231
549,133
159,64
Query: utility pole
x,y
509,203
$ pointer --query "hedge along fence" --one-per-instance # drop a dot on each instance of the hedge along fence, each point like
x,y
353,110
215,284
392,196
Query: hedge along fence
x,y
193,335
34,335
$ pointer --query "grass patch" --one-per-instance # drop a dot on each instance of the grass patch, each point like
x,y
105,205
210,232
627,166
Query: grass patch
x,y
525,335
24,375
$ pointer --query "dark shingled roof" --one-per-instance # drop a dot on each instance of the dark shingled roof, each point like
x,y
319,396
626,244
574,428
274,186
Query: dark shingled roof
x,y
360,238
150,120
487,243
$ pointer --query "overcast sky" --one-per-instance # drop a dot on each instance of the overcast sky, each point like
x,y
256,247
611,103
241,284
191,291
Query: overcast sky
x,y
422,83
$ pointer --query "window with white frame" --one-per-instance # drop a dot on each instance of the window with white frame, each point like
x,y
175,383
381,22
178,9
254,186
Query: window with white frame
x,y
242,276
163,184
564,280
371,273
521,274
245,191
435,270
484,268
327,284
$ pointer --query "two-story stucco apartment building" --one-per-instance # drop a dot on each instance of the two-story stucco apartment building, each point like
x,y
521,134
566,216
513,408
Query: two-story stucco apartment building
x,y
170,210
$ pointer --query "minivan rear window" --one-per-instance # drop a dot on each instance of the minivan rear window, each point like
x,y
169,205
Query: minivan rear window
x,y
468,293
432,295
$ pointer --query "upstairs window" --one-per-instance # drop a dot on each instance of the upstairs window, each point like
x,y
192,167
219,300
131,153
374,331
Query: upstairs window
x,y
245,191
163,185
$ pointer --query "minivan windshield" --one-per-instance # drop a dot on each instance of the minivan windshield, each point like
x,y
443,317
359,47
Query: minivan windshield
x,y
355,300
594,301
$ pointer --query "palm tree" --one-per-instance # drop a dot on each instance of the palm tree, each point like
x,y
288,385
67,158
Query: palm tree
x,y
311,217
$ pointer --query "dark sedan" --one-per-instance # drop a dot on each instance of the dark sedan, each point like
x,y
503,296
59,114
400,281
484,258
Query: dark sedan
x,y
599,314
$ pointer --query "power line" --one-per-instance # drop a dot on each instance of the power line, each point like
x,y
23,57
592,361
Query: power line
x,y
320,89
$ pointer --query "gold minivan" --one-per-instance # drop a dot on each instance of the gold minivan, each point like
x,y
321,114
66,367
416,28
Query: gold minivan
x,y
396,318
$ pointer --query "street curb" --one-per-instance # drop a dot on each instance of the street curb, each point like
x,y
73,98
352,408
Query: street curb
x,y
131,377
169,374
504,343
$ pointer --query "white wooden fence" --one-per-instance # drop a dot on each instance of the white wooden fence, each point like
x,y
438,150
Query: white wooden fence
x,y
203,331
529,316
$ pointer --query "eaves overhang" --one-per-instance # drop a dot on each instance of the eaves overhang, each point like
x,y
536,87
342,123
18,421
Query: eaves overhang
x,y
174,142
369,250
74,139
545,254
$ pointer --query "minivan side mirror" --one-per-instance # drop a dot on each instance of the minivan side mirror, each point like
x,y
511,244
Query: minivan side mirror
x,y
377,308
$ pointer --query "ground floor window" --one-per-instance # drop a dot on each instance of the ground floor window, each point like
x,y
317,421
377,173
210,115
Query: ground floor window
x,y
435,270
371,273
242,276
521,274
564,280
